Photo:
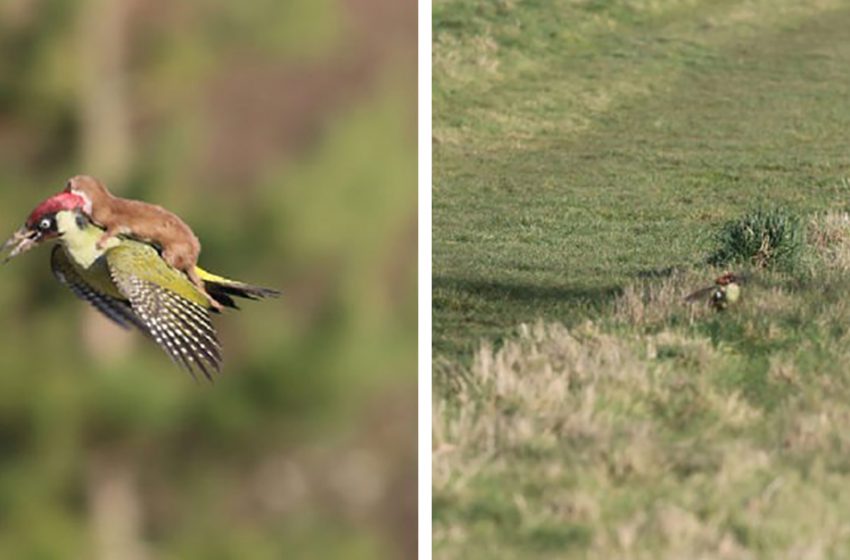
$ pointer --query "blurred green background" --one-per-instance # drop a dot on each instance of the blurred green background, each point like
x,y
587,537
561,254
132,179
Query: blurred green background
x,y
284,132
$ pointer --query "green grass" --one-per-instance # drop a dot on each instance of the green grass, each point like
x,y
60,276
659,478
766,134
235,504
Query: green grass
x,y
586,158
566,166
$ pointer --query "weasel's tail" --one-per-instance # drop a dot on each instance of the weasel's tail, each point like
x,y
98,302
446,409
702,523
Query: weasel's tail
x,y
221,289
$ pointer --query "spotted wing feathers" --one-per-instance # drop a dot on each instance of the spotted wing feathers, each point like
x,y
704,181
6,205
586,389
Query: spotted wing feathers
x,y
182,328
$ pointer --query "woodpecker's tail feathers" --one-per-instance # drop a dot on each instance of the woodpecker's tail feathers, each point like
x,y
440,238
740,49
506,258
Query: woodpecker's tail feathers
x,y
221,289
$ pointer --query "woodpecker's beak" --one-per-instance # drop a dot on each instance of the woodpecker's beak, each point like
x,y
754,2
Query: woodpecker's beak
x,y
21,241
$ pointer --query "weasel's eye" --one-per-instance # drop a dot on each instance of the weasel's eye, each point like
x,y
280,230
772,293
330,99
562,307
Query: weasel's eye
x,y
45,224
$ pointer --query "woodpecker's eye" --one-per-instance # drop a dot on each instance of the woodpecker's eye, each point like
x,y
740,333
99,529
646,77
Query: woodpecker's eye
x,y
45,224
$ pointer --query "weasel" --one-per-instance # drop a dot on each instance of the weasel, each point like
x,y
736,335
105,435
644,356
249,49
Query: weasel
x,y
147,222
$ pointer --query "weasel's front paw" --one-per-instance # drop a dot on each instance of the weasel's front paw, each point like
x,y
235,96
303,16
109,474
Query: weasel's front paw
x,y
101,243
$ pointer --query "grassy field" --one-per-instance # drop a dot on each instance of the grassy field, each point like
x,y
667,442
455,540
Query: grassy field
x,y
586,154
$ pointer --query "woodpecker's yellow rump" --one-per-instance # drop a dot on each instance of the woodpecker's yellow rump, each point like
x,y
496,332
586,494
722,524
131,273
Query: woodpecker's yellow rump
x,y
129,282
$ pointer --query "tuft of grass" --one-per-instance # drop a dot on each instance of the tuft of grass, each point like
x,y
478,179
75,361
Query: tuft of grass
x,y
763,238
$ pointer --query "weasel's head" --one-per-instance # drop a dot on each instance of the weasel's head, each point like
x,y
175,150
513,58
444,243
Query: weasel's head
x,y
726,279
88,188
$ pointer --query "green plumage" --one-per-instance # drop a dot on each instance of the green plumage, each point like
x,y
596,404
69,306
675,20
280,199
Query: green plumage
x,y
116,308
122,256
129,282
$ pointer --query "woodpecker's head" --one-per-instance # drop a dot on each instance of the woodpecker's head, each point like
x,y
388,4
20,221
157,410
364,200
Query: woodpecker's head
x,y
41,223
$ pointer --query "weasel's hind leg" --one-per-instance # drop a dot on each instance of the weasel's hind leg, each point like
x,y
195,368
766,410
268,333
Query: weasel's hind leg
x,y
192,273
186,265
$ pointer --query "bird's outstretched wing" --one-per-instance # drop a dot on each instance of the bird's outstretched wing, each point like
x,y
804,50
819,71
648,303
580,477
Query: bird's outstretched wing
x,y
180,326
117,310
700,294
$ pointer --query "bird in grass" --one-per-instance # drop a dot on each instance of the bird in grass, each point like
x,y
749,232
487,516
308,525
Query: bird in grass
x,y
129,282
725,290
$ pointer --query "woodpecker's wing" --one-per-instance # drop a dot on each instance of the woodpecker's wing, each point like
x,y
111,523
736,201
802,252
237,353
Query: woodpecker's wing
x,y
169,306
700,294
117,310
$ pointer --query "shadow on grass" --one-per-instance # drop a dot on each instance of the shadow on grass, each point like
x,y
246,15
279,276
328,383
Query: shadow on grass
x,y
658,273
541,299
469,310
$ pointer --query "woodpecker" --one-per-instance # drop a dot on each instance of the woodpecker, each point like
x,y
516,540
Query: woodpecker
x,y
129,282
179,245
726,290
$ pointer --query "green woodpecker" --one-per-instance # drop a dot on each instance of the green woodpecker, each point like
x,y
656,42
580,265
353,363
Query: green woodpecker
x,y
129,282
726,290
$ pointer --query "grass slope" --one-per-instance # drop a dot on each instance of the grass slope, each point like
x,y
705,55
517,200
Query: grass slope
x,y
585,154
578,145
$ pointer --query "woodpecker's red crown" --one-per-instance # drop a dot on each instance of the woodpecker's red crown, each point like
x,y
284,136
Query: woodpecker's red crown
x,y
56,203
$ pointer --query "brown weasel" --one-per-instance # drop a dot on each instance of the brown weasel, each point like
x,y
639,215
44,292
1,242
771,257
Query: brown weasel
x,y
147,222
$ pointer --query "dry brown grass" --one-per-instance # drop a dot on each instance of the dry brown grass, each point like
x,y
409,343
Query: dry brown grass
x,y
829,236
643,438
663,430
594,408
